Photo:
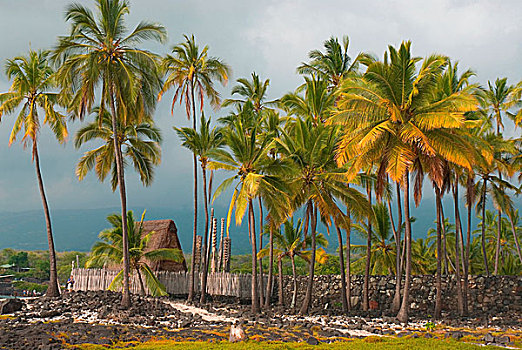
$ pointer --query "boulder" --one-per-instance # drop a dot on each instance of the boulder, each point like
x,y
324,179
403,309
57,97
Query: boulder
x,y
10,306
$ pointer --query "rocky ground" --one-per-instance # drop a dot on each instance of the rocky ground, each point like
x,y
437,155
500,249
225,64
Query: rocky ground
x,y
96,317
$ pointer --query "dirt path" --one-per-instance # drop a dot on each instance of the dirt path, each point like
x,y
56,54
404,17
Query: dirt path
x,y
205,315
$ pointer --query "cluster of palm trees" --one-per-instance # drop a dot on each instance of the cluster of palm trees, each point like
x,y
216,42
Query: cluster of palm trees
x,y
356,131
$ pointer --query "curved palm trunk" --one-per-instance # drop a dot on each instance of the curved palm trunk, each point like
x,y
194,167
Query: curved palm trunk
x,y
365,303
268,293
517,243
53,290
444,245
483,230
438,283
261,282
310,285
125,300
348,266
458,232
195,165
203,296
405,305
396,304
252,228
468,246
343,275
280,280
497,248
294,277
142,286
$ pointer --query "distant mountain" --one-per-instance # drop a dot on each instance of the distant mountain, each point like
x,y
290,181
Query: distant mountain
x,y
77,230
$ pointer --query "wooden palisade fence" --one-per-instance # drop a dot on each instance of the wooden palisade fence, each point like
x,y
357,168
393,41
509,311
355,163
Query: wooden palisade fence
x,y
176,283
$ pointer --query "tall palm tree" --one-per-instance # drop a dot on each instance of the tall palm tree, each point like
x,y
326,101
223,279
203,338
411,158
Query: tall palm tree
x,y
253,91
390,117
255,175
202,144
32,90
493,184
138,143
498,98
317,182
99,55
190,72
334,64
310,100
109,251
252,95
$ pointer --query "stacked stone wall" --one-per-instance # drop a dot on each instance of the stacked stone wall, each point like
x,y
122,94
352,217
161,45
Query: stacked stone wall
x,y
493,294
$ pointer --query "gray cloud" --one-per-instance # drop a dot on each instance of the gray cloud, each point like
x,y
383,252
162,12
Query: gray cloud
x,y
270,37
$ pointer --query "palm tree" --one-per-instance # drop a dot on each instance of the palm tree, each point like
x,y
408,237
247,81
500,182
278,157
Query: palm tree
x,y
202,144
99,55
382,249
317,182
499,162
254,177
33,82
252,96
109,251
253,91
497,99
390,116
316,102
137,142
292,243
333,65
190,72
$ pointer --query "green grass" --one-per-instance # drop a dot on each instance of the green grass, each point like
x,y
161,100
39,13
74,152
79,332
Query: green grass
x,y
367,343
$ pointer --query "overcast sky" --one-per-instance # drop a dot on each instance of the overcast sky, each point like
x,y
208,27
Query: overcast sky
x,y
269,37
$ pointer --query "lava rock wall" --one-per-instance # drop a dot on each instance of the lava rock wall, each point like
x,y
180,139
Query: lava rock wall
x,y
493,294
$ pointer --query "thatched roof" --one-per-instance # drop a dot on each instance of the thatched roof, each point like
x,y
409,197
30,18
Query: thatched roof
x,y
165,236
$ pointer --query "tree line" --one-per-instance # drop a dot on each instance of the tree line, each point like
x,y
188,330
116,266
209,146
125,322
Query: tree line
x,y
349,147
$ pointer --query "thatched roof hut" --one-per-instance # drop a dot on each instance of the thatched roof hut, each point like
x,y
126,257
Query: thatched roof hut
x,y
165,236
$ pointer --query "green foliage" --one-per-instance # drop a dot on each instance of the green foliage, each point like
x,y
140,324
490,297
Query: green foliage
x,y
110,251
19,259
21,285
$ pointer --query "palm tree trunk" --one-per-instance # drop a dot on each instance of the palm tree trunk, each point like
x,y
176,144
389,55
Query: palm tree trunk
x,y
125,301
458,231
468,245
341,264
497,248
438,297
310,285
405,305
294,276
348,266
365,303
306,222
517,243
142,286
280,280
483,230
52,290
252,228
203,296
444,245
396,304
195,166
261,282
268,293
